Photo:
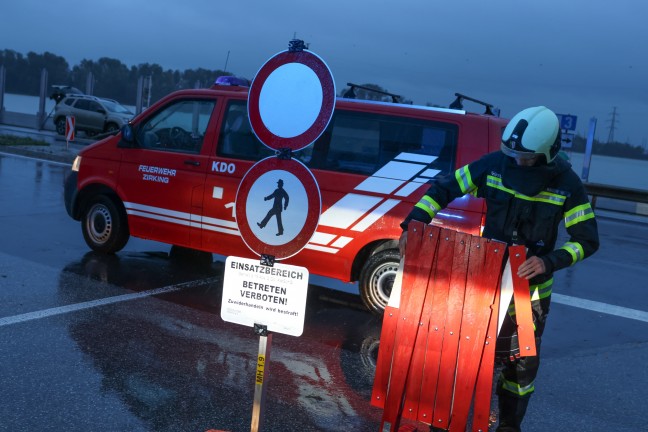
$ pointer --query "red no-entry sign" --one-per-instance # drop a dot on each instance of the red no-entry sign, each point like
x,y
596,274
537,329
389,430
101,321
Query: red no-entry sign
x,y
291,100
278,204
290,104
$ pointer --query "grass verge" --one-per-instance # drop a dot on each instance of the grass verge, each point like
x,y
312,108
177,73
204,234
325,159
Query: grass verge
x,y
10,140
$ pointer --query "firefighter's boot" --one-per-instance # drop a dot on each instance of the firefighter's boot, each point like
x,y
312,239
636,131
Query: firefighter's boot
x,y
511,412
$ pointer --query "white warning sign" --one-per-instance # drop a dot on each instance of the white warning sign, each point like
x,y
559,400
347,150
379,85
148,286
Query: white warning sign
x,y
259,294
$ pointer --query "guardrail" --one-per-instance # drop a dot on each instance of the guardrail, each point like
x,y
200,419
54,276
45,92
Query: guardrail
x,y
636,200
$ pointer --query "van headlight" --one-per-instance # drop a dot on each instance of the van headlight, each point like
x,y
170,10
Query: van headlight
x,y
76,164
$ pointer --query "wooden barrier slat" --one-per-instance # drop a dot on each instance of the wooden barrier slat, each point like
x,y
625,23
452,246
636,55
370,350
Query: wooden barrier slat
x,y
437,323
418,261
450,348
484,388
415,387
483,277
384,360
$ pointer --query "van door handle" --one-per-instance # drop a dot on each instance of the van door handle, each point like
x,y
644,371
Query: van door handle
x,y
192,162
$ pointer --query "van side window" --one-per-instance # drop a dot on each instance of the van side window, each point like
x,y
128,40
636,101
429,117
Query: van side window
x,y
179,127
238,141
363,143
353,142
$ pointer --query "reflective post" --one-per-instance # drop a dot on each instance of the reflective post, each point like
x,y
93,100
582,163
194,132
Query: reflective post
x,y
587,158
41,116
3,76
261,378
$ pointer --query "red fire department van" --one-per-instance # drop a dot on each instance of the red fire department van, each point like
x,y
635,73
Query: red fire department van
x,y
172,175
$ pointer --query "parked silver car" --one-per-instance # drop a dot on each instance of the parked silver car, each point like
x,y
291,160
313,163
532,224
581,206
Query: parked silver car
x,y
92,115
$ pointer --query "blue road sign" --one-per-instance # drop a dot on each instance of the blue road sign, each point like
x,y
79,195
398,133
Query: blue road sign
x,y
567,121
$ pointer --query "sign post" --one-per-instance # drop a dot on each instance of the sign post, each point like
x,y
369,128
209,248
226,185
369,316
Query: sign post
x,y
568,128
278,203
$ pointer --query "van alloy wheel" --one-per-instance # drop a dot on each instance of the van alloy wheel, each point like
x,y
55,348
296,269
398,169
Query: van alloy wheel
x,y
104,225
377,279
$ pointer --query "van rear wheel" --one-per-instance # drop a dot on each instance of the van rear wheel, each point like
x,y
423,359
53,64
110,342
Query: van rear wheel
x,y
104,225
377,279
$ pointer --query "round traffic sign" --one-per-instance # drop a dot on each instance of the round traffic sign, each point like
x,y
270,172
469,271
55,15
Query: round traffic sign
x,y
291,100
278,205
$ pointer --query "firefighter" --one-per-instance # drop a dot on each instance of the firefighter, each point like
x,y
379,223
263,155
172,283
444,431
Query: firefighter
x,y
528,191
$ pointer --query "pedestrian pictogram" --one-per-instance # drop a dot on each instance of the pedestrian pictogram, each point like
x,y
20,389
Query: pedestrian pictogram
x,y
280,198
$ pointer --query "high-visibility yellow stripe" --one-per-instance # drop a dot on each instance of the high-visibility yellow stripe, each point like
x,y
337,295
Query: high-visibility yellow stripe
x,y
578,214
540,291
544,196
430,206
516,388
575,250
537,292
465,180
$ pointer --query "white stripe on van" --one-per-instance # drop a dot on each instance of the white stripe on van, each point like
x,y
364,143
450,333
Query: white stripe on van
x,y
415,157
321,248
399,170
162,211
408,189
348,210
341,242
322,238
430,173
162,218
372,217
379,185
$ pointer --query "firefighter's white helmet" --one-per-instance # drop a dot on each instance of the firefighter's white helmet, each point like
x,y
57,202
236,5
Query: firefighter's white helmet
x,y
533,131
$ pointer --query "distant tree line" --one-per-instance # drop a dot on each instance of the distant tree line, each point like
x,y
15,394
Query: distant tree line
x,y
115,80
112,78
614,148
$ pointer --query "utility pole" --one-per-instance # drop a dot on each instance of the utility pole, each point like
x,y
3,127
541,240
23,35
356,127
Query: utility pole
x,y
612,126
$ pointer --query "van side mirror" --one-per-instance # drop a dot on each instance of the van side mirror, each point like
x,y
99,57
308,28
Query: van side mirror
x,y
127,136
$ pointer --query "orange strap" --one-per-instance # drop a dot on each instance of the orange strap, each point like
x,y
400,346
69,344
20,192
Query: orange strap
x,y
522,300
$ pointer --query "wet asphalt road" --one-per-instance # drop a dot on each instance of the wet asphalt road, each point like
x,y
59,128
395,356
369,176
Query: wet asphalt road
x,y
74,356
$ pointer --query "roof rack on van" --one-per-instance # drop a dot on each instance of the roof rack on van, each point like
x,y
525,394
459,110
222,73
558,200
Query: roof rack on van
x,y
458,104
350,94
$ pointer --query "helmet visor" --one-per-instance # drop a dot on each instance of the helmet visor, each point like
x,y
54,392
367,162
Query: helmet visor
x,y
518,154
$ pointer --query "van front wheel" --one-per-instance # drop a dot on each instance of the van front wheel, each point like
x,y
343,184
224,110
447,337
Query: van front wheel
x,y
377,279
104,225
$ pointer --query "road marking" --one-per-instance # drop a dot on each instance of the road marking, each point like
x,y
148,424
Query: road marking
x,y
600,307
102,302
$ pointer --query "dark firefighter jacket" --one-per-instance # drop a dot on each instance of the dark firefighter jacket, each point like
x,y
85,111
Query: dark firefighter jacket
x,y
524,206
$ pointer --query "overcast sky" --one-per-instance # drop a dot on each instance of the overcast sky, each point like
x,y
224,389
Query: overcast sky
x,y
580,57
